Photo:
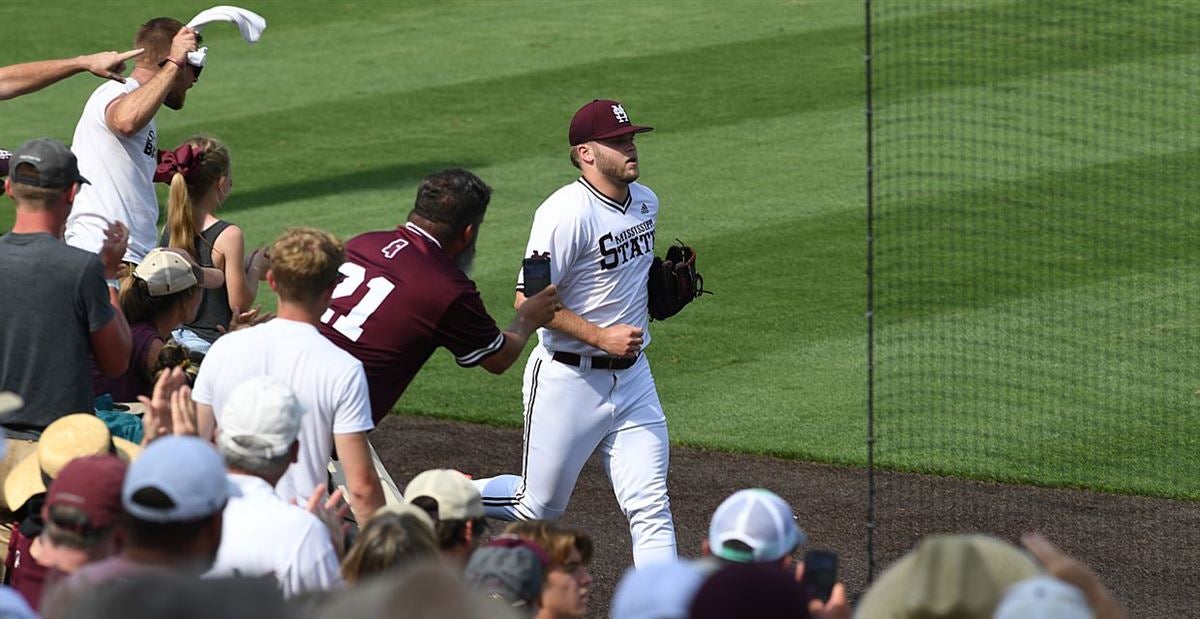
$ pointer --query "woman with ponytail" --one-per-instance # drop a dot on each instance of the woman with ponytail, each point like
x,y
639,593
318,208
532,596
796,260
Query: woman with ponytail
x,y
200,176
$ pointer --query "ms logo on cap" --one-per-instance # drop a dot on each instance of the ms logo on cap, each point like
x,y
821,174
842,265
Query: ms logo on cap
x,y
619,113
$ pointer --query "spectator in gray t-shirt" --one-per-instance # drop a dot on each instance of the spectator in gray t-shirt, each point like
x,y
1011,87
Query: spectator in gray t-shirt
x,y
57,311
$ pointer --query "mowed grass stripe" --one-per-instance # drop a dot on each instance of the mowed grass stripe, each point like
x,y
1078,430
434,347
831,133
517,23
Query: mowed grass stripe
x,y
1011,129
677,91
1092,383
949,44
1023,237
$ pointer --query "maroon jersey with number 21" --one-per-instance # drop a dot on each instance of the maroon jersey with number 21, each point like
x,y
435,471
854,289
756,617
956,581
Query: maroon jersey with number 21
x,y
400,297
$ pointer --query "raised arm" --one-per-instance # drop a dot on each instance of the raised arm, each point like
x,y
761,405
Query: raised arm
x,y
127,114
22,79
112,344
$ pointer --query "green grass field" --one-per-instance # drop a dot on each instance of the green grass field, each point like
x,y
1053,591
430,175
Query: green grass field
x,y
758,160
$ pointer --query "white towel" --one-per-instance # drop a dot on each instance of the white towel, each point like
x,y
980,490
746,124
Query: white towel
x,y
249,23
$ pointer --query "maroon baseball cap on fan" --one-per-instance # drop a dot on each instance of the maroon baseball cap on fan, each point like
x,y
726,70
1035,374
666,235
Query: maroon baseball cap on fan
x,y
602,119
91,484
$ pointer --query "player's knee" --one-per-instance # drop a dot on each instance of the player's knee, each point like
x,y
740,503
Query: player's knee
x,y
534,510
647,507
541,512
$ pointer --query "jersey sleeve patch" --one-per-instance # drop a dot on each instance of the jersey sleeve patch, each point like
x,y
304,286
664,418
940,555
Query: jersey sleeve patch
x,y
475,357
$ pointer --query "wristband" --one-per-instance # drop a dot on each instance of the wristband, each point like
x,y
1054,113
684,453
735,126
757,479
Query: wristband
x,y
178,63
114,284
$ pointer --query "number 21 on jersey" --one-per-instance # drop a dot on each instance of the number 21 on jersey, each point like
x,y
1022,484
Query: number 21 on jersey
x,y
378,289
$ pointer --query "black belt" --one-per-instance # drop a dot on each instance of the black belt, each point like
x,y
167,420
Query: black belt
x,y
598,363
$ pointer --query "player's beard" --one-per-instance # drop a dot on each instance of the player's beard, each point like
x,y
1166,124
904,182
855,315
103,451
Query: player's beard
x,y
466,260
616,167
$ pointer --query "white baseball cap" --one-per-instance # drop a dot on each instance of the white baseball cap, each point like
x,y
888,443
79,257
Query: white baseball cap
x,y
753,526
1043,597
167,271
457,497
261,419
10,402
188,474
660,590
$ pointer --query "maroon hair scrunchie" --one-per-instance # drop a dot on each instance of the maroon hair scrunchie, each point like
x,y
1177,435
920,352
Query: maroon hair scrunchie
x,y
179,161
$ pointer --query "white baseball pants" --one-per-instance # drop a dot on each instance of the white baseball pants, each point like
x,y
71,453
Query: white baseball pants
x,y
570,412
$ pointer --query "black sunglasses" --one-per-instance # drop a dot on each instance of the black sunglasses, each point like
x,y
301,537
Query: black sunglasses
x,y
195,70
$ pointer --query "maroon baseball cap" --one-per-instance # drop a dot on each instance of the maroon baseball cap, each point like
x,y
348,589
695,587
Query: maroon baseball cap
x,y
602,119
91,484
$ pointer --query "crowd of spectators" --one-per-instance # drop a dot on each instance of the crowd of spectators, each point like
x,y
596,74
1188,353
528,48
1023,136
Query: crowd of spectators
x,y
168,450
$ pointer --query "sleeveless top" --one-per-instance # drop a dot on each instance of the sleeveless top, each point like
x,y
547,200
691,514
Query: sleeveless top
x,y
214,307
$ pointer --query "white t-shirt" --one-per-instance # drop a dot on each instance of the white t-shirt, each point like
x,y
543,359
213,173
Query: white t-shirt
x,y
121,173
262,535
328,383
600,256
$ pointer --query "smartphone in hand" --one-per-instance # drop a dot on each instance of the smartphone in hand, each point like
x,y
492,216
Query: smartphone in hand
x,y
820,574
536,277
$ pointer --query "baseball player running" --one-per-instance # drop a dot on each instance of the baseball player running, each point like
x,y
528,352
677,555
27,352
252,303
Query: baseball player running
x,y
587,386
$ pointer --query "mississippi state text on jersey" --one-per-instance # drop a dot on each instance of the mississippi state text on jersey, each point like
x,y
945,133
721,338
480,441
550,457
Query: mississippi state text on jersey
x,y
600,255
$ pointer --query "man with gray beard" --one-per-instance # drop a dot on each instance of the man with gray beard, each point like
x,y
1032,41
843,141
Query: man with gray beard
x,y
405,292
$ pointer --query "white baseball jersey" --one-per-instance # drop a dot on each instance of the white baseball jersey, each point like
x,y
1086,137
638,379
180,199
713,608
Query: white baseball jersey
x,y
600,255
121,173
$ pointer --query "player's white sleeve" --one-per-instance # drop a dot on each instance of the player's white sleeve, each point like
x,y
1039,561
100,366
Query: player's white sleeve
x,y
557,231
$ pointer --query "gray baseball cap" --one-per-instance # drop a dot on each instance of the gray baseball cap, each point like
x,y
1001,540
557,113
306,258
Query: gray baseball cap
x,y
508,569
54,163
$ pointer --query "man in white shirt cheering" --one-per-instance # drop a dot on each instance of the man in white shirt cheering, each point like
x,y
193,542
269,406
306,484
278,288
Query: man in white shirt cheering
x,y
116,140
328,382
262,534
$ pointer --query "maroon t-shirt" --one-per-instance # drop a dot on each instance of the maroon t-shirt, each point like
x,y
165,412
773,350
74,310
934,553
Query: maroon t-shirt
x,y
136,380
401,297
25,574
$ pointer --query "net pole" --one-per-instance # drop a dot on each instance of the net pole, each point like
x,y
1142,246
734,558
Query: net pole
x,y
870,313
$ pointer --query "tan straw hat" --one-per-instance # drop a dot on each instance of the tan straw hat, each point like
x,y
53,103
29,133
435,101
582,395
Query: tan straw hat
x,y
401,509
947,576
70,437
456,496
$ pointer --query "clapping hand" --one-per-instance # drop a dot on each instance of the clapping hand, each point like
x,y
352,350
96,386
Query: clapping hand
x,y
332,512
259,259
243,320
112,251
170,409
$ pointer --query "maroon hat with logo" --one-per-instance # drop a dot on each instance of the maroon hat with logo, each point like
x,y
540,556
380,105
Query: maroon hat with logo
x,y
91,484
602,119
